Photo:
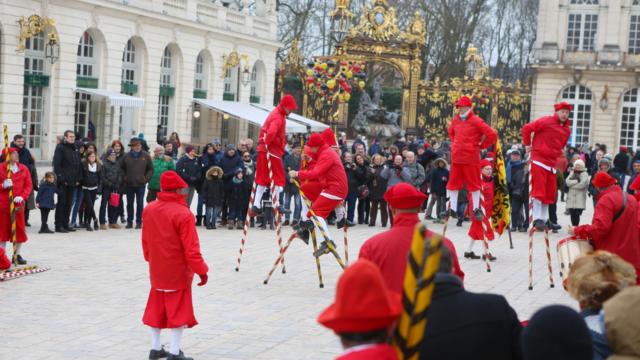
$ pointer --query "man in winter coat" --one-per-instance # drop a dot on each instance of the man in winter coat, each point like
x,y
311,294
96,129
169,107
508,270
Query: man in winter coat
x,y
389,249
68,169
635,166
111,179
614,227
271,144
437,179
469,134
137,170
20,183
161,163
292,162
229,163
416,171
171,247
518,181
550,136
190,171
27,159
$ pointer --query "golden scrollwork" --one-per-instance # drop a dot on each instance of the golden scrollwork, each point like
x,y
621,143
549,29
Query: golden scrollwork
x,y
32,26
232,60
378,23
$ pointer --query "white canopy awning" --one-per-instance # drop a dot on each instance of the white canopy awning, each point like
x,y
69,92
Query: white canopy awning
x,y
315,126
114,98
243,111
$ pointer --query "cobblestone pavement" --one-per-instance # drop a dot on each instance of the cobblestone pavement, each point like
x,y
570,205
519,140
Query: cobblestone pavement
x,y
90,304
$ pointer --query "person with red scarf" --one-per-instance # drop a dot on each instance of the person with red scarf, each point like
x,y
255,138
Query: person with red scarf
x,y
171,247
550,136
271,143
21,185
481,230
614,227
469,134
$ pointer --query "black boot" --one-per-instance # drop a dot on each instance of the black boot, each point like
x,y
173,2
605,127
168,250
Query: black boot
x,y
491,257
20,260
324,248
478,214
340,224
88,226
198,220
471,255
60,229
255,210
178,357
44,229
158,354
539,224
304,235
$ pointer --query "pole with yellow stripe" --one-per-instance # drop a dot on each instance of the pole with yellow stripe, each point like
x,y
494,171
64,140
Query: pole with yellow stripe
x,y
422,265
12,206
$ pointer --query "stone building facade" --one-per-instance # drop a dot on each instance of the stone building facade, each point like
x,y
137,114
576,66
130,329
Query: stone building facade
x,y
162,53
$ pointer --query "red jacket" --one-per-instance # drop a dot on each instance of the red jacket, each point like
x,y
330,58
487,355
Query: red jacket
x,y
21,187
389,250
329,171
274,130
370,352
466,136
475,230
621,237
170,243
549,139
5,263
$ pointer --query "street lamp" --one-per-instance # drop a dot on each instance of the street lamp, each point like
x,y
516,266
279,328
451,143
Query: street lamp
x,y
52,49
475,65
340,22
246,76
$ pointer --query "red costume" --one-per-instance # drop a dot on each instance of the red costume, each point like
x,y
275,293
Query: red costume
x,y
21,188
273,138
171,247
550,138
369,352
310,187
620,237
389,249
476,229
5,263
466,142
635,186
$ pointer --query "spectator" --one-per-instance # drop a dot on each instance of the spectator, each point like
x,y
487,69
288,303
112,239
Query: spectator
x,y
213,193
27,159
118,148
291,161
238,200
229,163
251,149
68,170
359,148
377,188
461,208
621,314
217,145
242,146
416,171
91,182
621,163
393,151
518,180
111,182
395,173
634,175
168,150
578,183
137,170
556,332
143,142
438,178
174,140
207,161
161,163
160,138
249,178
593,279
190,170
45,200
375,147
362,178
596,156
352,184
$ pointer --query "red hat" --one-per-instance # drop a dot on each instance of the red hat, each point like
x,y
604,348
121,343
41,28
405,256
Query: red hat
x,y
315,140
404,196
624,149
288,102
4,152
329,137
464,101
563,106
603,180
485,162
170,180
363,303
426,145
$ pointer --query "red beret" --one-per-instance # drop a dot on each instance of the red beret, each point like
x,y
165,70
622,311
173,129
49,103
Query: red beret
x,y
363,302
485,162
4,152
464,101
288,102
329,137
170,180
603,180
404,196
563,106
315,140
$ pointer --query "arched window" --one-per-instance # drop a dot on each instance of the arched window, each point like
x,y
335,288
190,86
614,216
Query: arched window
x,y
200,78
581,99
128,86
166,92
230,85
256,84
86,60
129,67
86,76
630,119
33,98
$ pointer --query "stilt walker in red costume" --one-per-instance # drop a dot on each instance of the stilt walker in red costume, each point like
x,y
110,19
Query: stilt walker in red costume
x,y
20,183
330,139
271,144
482,230
545,138
171,247
469,134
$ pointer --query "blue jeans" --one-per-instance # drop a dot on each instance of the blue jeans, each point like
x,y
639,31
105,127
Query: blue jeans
x,y
200,208
235,213
297,200
351,205
138,193
77,201
212,215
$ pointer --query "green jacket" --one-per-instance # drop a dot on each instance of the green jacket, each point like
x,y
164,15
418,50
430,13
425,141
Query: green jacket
x,y
160,165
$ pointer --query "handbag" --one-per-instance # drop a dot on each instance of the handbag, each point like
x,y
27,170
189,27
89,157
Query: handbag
x,y
114,199
363,191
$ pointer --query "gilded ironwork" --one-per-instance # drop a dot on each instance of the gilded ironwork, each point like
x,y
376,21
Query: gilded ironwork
x,y
232,60
34,25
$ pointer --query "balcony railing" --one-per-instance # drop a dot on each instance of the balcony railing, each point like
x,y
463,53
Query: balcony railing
x,y
86,82
199,94
229,97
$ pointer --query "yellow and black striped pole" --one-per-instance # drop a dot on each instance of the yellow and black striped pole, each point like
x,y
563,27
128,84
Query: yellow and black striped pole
x,y
12,206
422,265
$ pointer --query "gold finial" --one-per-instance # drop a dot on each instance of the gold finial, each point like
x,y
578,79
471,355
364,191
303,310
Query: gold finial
x,y
342,4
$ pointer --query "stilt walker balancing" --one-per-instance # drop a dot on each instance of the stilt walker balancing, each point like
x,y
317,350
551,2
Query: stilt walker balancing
x,y
12,206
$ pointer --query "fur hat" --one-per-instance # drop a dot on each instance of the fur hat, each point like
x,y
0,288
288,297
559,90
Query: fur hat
x,y
579,165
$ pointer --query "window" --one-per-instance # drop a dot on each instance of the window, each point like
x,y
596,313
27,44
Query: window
x,y
164,101
129,63
83,110
581,31
581,99
86,60
33,96
630,120
199,79
227,81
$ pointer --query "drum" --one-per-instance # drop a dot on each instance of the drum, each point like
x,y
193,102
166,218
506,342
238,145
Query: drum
x,y
569,249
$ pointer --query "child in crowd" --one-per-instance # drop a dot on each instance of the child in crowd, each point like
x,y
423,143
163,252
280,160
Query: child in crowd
x,y
238,200
438,178
91,181
213,192
267,210
45,200
111,182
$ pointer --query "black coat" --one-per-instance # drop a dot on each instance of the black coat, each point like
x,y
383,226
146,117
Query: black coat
x,y
362,174
352,181
290,162
465,325
238,195
438,178
111,174
213,191
66,164
377,184
519,185
91,179
190,170
229,165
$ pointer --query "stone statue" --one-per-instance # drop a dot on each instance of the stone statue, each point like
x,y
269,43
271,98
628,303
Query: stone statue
x,y
373,120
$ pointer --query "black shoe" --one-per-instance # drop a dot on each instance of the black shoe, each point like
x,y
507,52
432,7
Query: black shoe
x,y
553,226
448,213
209,227
522,229
95,226
491,257
372,225
122,220
61,230
77,226
255,210
158,354
138,226
198,220
44,229
89,228
20,260
539,225
478,214
305,225
69,229
303,235
340,224
129,226
285,223
471,255
282,210
331,221
459,223
180,356
324,248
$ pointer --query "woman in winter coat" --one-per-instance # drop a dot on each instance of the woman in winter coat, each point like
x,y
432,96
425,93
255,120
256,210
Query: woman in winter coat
x,y
362,177
377,188
352,181
111,182
229,163
437,179
91,183
212,193
578,183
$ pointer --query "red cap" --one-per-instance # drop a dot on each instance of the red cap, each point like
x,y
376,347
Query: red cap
x,y
603,180
404,196
485,162
288,102
329,137
563,106
170,180
363,303
464,101
315,140
426,145
624,149
4,152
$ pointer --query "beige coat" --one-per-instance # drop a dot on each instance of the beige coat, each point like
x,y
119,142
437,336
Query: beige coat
x,y
621,314
577,195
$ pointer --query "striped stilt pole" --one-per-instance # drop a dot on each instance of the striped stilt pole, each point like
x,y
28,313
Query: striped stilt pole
x,y
546,244
446,219
531,231
280,257
484,234
314,241
245,229
346,243
276,204
12,206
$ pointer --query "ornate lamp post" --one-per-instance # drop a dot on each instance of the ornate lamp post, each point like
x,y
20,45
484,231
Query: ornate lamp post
x,y
52,49
475,65
340,23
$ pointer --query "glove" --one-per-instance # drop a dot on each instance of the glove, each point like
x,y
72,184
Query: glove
x,y
18,200
7,183
203,279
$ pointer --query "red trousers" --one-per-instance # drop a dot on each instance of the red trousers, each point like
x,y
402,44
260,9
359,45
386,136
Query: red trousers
x,y
311,190
5,263
166,310
543,185
477,228
464,174
323,206
262,170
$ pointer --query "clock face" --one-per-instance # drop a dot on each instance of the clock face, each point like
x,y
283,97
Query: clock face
x,y
379,18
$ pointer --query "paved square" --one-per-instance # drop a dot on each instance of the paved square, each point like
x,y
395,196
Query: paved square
x,y
90,304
